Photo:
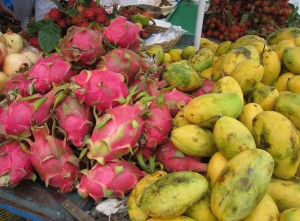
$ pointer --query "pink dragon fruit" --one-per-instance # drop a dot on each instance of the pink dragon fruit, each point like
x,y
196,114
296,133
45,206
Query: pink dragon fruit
x,y
176,99
206,88
101,88
81,45
126,62
123,33
116,133
16,118
15,165
19,84
49,70
53,160
114,179
174,160
157,125
75,119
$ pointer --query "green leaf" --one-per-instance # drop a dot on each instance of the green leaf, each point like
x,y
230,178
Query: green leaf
x,y
35,26
245,17
69,11
86,3
48,36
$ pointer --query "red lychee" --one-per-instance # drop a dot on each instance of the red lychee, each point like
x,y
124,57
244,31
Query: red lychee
x,y
89,14
61,23
101,18
55,14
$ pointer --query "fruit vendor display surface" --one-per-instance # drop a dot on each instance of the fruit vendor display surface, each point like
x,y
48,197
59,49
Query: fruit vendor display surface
x,y
188,134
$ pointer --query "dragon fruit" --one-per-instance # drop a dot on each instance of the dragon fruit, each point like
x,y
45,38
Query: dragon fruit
x,y
15,165
75,119
114,179
54,160
116,133
123,33
206,88
157,125
126,62
49,70
176,100
81,45
174,160
16,118
19,84
101,88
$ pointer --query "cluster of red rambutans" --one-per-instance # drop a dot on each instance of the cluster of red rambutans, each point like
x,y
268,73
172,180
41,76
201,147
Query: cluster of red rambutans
x,y
232,19
83,18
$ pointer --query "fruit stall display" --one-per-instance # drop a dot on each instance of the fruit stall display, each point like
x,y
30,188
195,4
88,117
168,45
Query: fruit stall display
x,y
189,134
229,20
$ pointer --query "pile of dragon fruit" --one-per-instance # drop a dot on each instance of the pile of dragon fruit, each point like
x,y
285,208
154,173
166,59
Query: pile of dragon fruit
x,y
94,117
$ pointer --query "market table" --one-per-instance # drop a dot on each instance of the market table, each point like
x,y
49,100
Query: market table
x,y
32,201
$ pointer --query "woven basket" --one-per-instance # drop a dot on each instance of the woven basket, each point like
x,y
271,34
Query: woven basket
x,y
153,29
7,216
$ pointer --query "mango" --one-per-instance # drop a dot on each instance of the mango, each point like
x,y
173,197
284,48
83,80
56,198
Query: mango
x,y
223,48
182,74
293,84
156,52
228,84
266,210
212,46
288,104
281,82
139,18
290,33
204,110
292,214
215,165
206,73
216,72
249,111
179,120
241,185
134,210
194,140
201,211
232,137
201,59
260,44
237,55
276,134
290,58
172,194
248,74
286,193
264,95
178,218
272,67
279,48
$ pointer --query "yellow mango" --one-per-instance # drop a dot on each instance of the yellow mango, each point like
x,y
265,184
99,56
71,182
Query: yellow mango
x,y
286,193
281,83
216,72
232,137
223,48
201,211
237,55
292,214
249,111
288,104
279,48
248,74
201,59
179,120
178,218
264,95
212,46
241,185
194,140
272,67
276,134
206,73
228,84
216,163
293,84
204,110
290,33
290,58
266,210
171,195
135,212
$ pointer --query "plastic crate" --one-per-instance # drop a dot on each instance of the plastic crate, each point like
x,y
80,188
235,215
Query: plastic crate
x,y
7,216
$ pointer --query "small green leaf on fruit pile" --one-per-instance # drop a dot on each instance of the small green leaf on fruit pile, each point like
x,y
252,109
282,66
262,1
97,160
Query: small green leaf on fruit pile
x,y
48,36
69,11
35,26
86,3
